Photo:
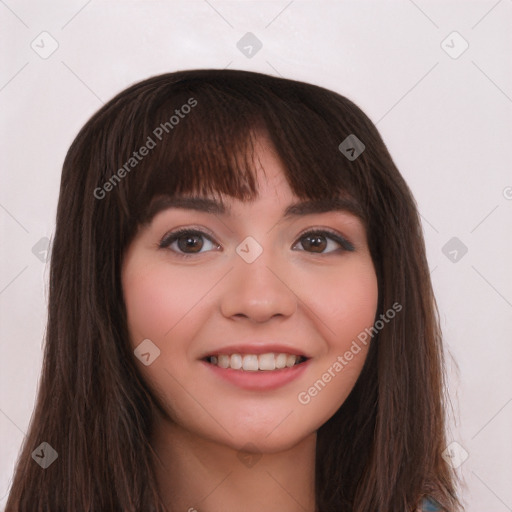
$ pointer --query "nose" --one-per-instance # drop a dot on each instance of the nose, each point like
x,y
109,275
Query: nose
x,y
259,290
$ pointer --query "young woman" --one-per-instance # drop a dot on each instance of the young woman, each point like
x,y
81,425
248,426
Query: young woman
x,y
241,315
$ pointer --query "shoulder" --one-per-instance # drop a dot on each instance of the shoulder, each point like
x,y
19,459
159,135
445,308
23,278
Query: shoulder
x,y
429,504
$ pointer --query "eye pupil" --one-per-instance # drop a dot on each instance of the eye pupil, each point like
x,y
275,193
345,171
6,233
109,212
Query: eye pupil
x,y
192,241
315,242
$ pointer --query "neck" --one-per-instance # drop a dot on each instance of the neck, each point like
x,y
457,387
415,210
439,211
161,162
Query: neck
x,y
195,474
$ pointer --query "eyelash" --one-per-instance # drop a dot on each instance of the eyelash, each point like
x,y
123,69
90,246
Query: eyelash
x,y
170,238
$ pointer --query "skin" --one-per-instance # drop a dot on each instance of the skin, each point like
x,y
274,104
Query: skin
x,y
219,446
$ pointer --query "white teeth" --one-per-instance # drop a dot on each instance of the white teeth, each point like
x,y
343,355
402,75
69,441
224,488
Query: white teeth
x,y
267,362
290,360
281,361
236,361
253,363
250,363
223,361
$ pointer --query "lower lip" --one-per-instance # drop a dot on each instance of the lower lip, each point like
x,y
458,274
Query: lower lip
x,y
260,380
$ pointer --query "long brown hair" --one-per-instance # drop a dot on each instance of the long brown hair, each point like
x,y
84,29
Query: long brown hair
x,y
382,449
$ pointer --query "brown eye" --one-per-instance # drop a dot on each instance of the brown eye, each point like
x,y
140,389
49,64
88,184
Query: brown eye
x,y
318,241
192,242
186,242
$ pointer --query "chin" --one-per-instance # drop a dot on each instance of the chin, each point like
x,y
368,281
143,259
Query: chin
x,y
263,444
282,435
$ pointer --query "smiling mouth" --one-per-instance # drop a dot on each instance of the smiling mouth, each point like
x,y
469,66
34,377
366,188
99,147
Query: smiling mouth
x,y
254,363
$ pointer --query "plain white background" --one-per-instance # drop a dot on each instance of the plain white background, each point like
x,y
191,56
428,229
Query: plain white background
x,y
446,117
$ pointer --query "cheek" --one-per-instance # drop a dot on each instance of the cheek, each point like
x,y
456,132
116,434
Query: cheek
x,y
345,300
347,305
152,304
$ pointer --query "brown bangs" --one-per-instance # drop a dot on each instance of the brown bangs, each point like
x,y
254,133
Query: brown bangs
x,y
200,135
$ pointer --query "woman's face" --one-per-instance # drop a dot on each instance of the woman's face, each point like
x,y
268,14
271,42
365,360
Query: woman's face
x,y
252,284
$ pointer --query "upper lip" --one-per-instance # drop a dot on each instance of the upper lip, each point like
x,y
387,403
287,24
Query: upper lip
x,y
256,348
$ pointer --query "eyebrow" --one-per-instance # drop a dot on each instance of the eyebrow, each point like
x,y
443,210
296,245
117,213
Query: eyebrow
x,y
208,205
